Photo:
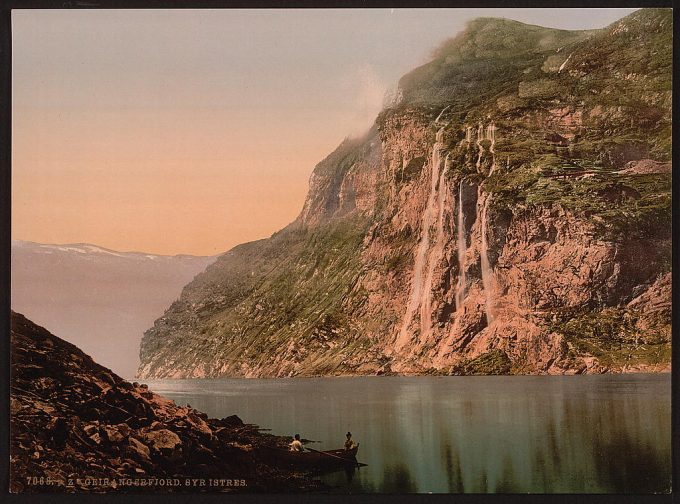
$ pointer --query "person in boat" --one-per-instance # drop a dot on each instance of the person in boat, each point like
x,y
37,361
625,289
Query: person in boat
x,y
296,445
349,444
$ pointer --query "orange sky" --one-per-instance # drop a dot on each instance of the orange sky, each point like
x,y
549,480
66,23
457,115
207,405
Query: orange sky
x,y
191,131
184,182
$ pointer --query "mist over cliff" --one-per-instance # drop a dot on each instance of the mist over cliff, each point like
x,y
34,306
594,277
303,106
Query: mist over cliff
x,y
508,212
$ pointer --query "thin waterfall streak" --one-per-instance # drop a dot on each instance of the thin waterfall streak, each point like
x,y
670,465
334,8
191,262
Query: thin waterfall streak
x,y
462,251
487,272
480,137
436,121
415,298
435,256
491,135
442,198
564,64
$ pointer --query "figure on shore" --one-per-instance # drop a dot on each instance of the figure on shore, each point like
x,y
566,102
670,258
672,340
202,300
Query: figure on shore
x,y
296,445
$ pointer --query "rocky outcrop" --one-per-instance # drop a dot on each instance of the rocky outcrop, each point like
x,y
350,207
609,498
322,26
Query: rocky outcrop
x,y
76,426
646,166
489,222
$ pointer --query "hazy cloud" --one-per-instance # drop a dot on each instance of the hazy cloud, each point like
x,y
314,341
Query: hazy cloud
x,y
368,91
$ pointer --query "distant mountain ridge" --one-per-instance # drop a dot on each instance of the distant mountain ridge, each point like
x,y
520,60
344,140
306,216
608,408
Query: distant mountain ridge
x,y
97,298
88,248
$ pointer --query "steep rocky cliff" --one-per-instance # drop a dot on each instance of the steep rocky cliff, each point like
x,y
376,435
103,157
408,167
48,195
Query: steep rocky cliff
x,y
510,213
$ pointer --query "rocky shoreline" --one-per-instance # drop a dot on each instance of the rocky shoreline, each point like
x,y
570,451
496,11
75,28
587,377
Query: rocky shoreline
x,y
75,426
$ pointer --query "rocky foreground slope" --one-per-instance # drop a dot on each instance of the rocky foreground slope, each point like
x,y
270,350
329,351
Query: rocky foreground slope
x,y
76,426
509,212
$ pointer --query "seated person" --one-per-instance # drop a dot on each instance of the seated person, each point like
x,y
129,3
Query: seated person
x,y
349,444
296,445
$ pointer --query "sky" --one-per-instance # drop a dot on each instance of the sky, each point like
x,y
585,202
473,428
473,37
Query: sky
x,y
191,131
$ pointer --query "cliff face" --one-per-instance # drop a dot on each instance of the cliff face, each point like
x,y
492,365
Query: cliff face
x,y
510,214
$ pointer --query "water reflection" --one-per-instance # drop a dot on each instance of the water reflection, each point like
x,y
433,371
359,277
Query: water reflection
x,y
466,434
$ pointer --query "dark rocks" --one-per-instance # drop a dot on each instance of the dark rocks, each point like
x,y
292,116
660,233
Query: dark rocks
x,y
107,378
138,450
232,421
71,418
57,429
113,435
164,441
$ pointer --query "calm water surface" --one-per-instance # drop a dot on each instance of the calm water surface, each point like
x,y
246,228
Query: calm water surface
x,y
592,434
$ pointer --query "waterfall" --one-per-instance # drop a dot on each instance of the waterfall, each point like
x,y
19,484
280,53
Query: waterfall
x,y
435,257
462,250
480,137
454,333
468,134
491,135
487,272
564,64
436,121
423,245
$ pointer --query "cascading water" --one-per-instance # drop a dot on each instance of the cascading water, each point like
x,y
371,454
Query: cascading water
x,y
468,134
415,298
478,143
564,64
491,136
487,272
462,250
435,257
436,121
454,334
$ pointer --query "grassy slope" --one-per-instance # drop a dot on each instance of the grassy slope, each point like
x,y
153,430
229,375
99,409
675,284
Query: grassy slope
x,y
261,296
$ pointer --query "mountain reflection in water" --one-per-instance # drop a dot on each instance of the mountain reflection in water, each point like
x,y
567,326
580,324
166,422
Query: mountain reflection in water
x,y
592,434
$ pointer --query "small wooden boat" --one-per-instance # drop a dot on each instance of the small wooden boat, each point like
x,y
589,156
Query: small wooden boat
x,y
314,459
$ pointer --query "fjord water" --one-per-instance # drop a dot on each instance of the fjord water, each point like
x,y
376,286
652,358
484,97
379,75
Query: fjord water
x,y
605,433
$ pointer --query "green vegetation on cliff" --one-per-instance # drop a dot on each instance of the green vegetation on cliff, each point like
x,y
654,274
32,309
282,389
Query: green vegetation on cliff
x,y
494,362
574,103
283,296
582,133
613,337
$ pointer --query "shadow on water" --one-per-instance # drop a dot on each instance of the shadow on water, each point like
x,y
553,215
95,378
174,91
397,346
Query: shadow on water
x,y
340,476
508,480
397,479
349,474
629,467
454,475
